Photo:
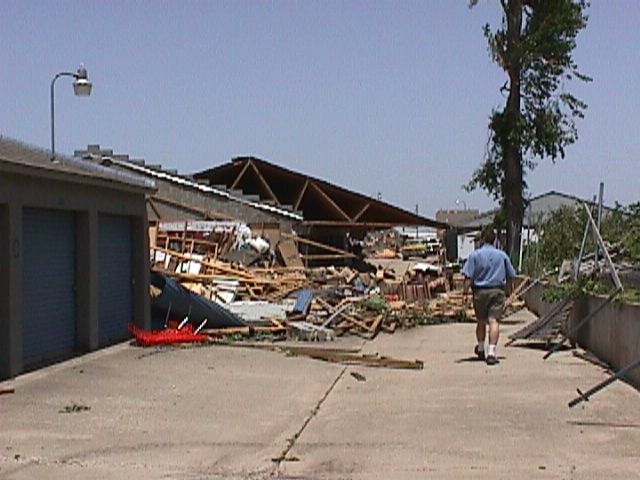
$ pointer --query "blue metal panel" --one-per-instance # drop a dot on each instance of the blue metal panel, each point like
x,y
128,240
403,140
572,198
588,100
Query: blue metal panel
x,y
115,293
303,302
49,298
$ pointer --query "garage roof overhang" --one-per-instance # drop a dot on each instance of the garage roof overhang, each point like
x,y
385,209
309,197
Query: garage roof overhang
x,y
21,159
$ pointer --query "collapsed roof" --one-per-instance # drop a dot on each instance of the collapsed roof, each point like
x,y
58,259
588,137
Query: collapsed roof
x,y
322,203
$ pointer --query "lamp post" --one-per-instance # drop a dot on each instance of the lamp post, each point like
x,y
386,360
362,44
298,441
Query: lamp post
x,y
463,203
81,87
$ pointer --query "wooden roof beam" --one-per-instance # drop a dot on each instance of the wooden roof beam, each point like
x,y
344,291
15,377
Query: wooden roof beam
x,y
361,212
331,202
265,184
235,183
296,206
343,224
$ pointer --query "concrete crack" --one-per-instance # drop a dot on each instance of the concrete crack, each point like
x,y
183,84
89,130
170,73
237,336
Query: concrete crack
x,y
292,441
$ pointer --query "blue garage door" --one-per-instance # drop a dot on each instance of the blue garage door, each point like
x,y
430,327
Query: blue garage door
x,y
115,293
49,297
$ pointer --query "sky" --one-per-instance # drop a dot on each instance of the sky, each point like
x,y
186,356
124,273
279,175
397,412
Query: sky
x,y
388,98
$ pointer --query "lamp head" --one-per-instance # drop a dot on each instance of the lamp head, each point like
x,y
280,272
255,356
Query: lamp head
x,y
82,86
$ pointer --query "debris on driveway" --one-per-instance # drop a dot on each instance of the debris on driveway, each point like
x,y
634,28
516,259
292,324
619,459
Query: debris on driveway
x,y
5,390
344,356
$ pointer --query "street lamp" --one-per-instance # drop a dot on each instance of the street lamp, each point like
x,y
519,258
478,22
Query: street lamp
x,y
463,203
81,87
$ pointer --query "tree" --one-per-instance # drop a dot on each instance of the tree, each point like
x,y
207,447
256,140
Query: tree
x,y
534,47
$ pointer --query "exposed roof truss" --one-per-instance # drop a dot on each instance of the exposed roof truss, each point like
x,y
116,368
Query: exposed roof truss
x,y
322,203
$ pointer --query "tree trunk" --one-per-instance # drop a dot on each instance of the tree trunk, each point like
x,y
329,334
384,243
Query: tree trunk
x,y
512,151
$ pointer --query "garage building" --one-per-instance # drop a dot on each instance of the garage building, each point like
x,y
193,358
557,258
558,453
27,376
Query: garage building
x,y
74,261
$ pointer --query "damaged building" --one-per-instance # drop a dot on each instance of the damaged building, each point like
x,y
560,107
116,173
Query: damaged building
x,y
272,200
331,214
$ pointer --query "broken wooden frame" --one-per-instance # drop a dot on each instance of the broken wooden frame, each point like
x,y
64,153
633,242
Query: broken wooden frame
x,y
336,355
614,276
256,286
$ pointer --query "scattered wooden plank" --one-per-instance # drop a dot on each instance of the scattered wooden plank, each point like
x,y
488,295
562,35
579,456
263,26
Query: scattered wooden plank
x,y
313,243
299,349
369,360
350,318
327,256
289,253
213,265
242,331
336,355
375,327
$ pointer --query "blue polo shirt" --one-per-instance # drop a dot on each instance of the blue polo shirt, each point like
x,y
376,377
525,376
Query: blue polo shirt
x,y
489,267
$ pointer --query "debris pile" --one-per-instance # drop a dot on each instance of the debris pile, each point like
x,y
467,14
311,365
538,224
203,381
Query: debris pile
x,y
245,286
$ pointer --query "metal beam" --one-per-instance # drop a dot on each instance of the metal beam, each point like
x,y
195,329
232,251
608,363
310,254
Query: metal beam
x,y
582,322
596,234
584,397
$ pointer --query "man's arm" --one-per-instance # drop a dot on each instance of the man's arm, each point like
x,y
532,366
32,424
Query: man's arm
x,y
510,285
467,271
511,275
466,286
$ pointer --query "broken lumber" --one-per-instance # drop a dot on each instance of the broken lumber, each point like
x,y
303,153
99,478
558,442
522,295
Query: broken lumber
x,y
242,331
375,327
368,360
336,355
349,318
215,266
329,248
302,330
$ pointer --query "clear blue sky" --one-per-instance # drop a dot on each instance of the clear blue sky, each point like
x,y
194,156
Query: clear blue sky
x,y
381,96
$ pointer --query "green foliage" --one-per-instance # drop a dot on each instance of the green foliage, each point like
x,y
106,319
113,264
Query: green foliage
x,y
623,228
534,46
560,237
540,57
630,296
376,304
556,292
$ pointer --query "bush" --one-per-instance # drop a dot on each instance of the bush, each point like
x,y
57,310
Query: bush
x,y
561,233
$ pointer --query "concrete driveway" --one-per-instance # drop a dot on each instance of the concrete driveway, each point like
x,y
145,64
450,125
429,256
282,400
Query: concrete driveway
x,y
234,413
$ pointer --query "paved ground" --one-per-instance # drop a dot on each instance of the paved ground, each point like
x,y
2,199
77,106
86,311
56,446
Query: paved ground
x,y
221,412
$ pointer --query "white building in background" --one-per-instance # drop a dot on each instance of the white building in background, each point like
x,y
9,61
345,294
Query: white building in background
x,y
417,233
535,214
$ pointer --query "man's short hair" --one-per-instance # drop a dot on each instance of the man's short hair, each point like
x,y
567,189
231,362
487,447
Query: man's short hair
x,y
488,236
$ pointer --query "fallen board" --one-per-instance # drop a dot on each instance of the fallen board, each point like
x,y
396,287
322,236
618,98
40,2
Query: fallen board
x,y
289,253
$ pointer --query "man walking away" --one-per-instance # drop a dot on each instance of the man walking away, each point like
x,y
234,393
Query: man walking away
x,y
489,272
